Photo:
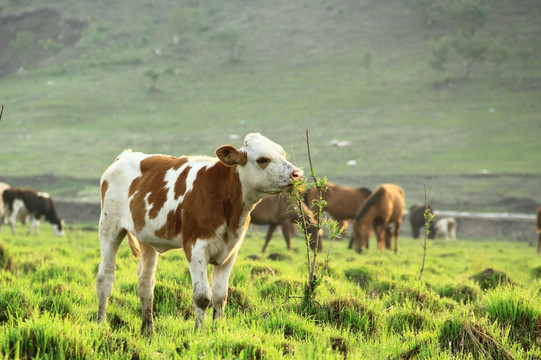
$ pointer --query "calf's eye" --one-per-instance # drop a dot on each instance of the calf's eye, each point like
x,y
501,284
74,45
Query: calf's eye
x,y
263,162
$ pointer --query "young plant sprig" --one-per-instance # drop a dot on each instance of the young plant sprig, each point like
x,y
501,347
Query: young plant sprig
x,y
315,271
429,218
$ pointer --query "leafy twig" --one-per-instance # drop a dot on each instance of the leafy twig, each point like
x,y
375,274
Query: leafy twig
x,y
313,279
429,218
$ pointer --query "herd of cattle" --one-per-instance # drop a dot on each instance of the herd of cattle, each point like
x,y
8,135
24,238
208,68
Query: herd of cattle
x,y
383,213
205,205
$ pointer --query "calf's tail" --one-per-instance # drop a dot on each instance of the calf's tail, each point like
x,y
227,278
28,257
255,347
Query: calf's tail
x,y
134,244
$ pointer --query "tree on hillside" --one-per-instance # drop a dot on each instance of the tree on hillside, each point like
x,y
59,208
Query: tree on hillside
x,y
425,8
230,39
458,23
463,44
153,75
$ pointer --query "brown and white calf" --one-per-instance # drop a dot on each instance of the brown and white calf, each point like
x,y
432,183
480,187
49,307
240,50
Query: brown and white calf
x,y
37,206
200,204
446,228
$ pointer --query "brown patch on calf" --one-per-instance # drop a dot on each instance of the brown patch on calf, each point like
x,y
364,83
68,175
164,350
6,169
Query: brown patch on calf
x,y
104,187
180,184
152,182
215,199
172,226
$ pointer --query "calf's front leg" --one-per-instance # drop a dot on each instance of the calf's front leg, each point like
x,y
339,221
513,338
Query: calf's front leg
x,y
220,283
202,292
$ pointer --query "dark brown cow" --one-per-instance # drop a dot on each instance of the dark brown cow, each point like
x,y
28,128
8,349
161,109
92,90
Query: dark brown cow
x,y
36,205
279,210
383,207
417,220
198,203
539,229
343,202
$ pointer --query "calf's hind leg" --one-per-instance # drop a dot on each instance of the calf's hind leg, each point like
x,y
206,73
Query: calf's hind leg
x,y
146,282
109,242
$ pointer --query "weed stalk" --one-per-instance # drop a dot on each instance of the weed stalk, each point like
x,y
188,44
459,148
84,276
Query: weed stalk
x,y
429,218
311,254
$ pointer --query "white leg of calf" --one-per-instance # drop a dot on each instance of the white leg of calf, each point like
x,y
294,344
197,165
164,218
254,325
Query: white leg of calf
x,y
12,225
11,218
3,217
146,282
34,224
220,282
106,271
202,293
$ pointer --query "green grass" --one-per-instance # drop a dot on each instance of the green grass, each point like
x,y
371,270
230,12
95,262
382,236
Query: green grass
x,y
369,305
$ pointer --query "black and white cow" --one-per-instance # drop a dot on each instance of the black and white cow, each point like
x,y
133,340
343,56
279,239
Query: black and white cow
x,y
37,205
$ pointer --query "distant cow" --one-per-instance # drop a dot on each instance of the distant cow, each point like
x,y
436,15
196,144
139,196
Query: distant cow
x,y
343,202
539,229
385,206
37,206
446,228
279,210
3,186
197,203
417,220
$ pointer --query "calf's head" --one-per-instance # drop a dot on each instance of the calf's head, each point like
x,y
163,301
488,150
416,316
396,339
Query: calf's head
x,y
262,165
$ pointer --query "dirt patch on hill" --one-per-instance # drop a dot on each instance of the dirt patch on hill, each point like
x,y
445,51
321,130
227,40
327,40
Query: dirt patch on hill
x,y
32,36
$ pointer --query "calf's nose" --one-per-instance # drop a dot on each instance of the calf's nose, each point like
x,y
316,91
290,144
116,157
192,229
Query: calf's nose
x,y
296,175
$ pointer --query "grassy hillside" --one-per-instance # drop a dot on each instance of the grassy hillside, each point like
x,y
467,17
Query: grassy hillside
x,y
278,67
477,299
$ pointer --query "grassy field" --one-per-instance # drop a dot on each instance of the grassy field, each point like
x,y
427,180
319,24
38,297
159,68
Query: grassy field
x,y
476,299
295,66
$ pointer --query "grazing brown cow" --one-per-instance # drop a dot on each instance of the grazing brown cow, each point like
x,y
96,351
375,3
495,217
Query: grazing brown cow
x,y
279,210
198,203
343,202
539,229
383,207
417,220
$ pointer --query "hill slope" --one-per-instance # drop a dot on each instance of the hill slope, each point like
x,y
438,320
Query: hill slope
x,y
348,71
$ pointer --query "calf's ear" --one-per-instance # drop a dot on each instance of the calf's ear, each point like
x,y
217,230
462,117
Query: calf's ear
x,y
231,156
